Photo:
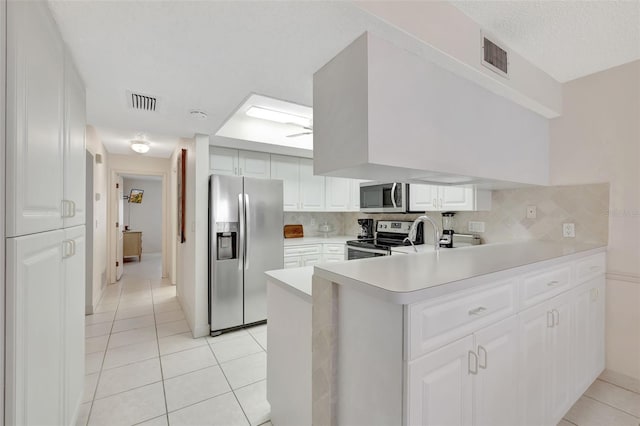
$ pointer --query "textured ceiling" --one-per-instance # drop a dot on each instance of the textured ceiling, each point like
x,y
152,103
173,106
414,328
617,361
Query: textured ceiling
x,y
566,39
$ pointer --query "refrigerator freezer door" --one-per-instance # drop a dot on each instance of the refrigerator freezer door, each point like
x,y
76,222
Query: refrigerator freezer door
x,y
264,243
226,211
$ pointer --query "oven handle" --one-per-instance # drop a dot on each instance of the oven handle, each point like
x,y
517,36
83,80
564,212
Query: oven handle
x,y
366,250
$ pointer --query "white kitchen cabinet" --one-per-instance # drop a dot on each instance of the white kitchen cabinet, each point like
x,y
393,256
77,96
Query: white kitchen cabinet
x,y
35,109
440,386
311,187
74,146
45,327
227,161
448,198
338,194
292,262
354,205
287,169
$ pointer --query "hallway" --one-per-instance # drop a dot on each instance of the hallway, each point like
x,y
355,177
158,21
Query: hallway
x,y
143,366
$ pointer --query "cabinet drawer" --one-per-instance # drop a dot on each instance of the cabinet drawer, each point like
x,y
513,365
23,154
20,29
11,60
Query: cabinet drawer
x,y
437,322
312,259
590,267
333,258
302,250
544,285
333,248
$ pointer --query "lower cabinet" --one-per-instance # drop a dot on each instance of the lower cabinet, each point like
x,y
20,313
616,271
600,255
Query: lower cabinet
x,y
45,339
469,381
312,254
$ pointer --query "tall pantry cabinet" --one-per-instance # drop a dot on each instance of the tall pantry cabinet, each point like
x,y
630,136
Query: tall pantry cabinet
x,y
44,224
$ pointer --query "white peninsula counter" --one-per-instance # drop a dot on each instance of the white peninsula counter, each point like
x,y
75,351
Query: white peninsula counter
x,y
499,334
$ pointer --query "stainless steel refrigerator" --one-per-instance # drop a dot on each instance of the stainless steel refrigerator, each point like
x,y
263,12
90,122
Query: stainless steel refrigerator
x,y
246,239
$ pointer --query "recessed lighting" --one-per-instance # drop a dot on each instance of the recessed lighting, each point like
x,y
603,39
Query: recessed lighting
x,y
140,146
277,116
200,115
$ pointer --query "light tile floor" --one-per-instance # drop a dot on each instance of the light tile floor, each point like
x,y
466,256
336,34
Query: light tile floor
x,y
612,400
143,366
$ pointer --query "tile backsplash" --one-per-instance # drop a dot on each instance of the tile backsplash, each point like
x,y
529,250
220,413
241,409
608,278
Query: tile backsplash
x,y
584,205
310,222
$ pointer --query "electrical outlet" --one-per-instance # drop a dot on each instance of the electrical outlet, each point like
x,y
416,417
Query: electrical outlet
x,y
476,226
569,230
532,212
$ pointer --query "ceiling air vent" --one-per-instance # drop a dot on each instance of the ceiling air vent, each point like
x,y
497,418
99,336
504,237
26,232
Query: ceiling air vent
x,y
495,57
142,102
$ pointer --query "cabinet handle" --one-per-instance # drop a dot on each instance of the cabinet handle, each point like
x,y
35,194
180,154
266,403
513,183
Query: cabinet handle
x,y
477,311
441,203
67,250
65,208
553,283
550,316
73,208
556,317
435,204
475,363
482,350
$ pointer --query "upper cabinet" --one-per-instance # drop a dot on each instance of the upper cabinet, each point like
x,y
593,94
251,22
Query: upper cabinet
x,y
35,114
383,113
227,161
302,190
448,198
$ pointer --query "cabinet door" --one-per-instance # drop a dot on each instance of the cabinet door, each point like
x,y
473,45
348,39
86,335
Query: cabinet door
x,y
292,262
535,325
560,383
74,288
440,386
423,198
337,194
495,401
74,146
311,259
223,161
456,198
332,258
311,187
582,338
287,168
34,146
597,314
254,164
354,204
34,330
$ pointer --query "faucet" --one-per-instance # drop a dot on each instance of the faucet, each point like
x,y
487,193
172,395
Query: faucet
x,y
414,231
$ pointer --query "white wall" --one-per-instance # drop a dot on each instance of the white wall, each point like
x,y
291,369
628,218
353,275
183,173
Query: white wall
x,y
3,58
137,165
598,140
99,223
147,216
192,255
453,41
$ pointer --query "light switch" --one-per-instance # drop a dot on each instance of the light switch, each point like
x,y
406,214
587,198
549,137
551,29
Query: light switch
x,y
569,230
532,212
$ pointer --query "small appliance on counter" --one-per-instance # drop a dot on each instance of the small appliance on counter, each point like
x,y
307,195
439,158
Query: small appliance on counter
x,y
448,222
366,229
389,233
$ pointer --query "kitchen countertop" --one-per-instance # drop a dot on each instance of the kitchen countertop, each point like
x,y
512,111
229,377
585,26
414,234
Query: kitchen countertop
x,y
339,239
296,280
409,279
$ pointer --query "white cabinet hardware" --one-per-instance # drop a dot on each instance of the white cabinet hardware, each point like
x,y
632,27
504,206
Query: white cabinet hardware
x,y
482,354
477,311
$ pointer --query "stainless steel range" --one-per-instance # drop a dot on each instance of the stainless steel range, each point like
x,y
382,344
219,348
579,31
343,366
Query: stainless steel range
x,y
389,233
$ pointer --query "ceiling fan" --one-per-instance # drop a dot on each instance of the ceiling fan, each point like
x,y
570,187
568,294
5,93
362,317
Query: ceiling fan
x,y
309,131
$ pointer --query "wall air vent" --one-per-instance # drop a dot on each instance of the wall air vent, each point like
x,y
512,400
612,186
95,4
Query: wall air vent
x,y
495,57
142,102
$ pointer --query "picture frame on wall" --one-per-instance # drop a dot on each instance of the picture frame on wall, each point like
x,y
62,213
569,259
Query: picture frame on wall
x,y
181,172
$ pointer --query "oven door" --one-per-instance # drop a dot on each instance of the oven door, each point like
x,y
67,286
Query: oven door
x,y
383,197
354,253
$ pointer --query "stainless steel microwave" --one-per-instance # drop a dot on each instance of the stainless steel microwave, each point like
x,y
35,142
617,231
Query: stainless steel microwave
x,y
377,197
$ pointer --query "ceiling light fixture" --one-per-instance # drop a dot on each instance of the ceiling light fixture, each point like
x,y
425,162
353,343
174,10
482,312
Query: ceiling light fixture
x,y
140,146
200,115
278,116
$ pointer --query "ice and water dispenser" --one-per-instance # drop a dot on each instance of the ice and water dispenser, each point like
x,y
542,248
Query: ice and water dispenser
x,y
226,240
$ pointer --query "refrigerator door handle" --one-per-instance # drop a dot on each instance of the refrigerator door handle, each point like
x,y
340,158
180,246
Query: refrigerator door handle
x,y
247,214
242,230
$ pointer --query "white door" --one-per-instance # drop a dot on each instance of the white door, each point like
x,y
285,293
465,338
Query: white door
x,y
495,396
34,147
34,330
560,387
223,161
533,392
440,386
286,169
254,164
311,187
337,194
74,288
456,198
423,198
74,146
119,227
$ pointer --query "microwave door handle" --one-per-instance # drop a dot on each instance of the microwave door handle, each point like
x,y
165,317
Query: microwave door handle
x,y
393,195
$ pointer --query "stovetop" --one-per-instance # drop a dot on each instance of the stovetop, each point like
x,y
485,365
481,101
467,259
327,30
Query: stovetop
x,y
377,243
